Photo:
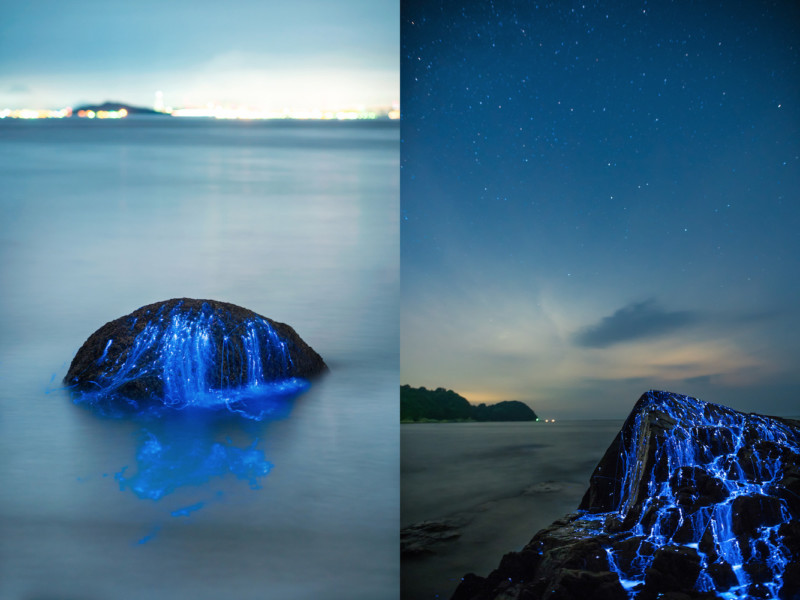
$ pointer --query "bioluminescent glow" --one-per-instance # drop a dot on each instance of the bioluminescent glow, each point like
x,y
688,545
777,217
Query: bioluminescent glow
x,y
181,356
164,466
715,485
187,510
183,361
149,536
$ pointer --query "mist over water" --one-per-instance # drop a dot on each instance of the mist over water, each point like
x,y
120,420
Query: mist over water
x,y
295,221
496,483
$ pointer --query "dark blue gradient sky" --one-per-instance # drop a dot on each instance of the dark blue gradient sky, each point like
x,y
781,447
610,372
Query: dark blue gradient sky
x,y
599,199
305,53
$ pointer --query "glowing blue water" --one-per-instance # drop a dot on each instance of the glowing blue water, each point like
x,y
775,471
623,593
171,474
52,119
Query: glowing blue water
x,y
684,451
165,466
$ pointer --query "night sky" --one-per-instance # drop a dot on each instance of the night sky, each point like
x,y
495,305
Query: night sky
x,y
302,54
599,199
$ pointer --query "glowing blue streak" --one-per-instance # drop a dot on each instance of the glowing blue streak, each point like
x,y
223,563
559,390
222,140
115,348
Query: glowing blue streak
x,y
246,374
683,455
187,510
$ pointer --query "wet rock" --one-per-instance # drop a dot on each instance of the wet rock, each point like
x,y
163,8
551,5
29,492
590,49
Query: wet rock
x,y
674,569
722,575
791,582
169,350
422,538
569,584
690,499
751,511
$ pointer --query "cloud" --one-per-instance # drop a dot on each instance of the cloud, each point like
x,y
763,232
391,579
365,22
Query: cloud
x,y
635,321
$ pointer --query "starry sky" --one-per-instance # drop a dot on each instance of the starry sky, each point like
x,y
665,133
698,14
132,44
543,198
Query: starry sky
x,y
599,199
302,54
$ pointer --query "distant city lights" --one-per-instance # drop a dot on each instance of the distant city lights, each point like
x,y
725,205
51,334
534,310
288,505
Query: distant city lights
x,y
31,113
103,114
211,111
220,112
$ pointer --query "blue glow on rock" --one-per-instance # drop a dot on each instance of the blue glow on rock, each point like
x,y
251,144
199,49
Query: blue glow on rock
x,y
714,487
194,358
190,369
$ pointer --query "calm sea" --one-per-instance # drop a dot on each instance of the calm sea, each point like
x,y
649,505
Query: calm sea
x,y
296,221
495,485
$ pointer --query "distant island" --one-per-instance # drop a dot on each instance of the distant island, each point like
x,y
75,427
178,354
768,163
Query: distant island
x,y
421,405
116,107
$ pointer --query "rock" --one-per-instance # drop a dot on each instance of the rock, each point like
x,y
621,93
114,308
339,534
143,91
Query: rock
x,y
422,538
170,352
690,500
573,583
674,569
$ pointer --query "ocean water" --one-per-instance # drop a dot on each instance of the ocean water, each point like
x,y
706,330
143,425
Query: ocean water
x,y
495,485
296,221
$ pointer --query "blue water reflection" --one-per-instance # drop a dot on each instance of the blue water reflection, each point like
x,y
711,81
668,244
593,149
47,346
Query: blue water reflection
x,y
164,465
189,446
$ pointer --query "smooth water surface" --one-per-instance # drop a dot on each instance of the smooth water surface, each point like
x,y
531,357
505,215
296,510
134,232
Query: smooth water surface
x,y
295,221
497,484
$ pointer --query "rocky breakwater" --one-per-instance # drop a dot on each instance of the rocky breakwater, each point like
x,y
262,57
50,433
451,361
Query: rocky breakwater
x,y
184,352
691,500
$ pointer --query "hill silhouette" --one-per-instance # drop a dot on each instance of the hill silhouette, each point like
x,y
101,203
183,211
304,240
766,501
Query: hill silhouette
x,y
421,405
115,106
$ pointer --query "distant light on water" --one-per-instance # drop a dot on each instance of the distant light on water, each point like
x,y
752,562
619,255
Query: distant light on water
x,y
35,113
212,112
103,114
242,113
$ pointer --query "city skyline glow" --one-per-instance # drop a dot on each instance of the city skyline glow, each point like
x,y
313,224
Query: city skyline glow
x,y
310,56
212,111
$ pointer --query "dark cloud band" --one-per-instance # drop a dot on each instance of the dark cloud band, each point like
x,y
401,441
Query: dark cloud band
x,y
633,322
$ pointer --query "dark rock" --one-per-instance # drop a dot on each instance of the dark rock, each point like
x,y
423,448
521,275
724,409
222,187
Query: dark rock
x,y
472,587
714,441
790,590
694,488
674,569
690,499
634,553
166,351
751,511
722,575
422,538
573,584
